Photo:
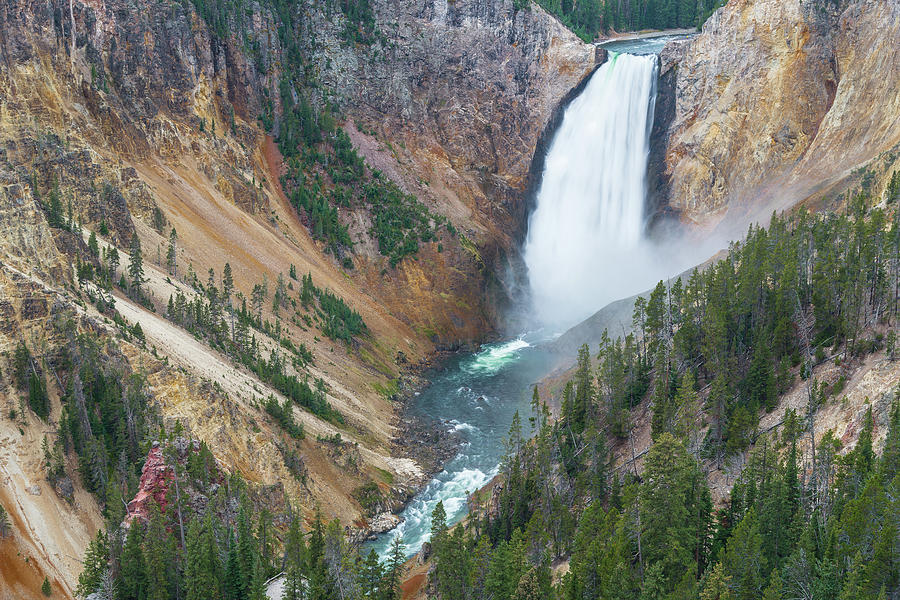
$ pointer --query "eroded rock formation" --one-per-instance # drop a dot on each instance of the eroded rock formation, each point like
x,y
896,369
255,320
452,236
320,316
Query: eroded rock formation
x,y
776,101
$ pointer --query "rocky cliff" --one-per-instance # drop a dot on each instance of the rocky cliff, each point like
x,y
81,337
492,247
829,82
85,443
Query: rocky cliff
x,y
775,102
124,119
463,91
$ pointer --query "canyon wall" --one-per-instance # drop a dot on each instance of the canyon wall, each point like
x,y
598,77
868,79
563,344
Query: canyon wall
x,y
775,102
130,112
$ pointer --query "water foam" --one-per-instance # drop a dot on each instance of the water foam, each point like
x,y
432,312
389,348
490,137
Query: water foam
x,y
416,529
494,357
457,426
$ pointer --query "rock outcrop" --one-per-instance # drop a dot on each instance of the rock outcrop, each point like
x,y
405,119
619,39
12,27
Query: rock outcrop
x,y
776,101
463,92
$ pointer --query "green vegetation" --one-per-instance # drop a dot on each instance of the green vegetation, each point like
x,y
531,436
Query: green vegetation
x,y
892,193
104,420
215,553
212,316
587,18
779,535
369,496
801,521
339,321
763,315
284,414
324,172
359,21
31,381
401,221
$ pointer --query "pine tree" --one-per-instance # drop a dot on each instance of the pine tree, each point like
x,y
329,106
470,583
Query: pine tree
x,y
864,453
717,403
438,526
171,253
246,548
295,560
203,571
160,556
774,591
371,577
584,391
112,259
717,585
320,582
761,378
136,266
890,457
688,418
132,580
227,291
744,561
93,247
54,211
671,511
393,575
232,583
94,565
45,588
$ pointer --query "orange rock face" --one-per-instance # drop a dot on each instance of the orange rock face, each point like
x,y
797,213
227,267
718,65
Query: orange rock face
x,y
156,476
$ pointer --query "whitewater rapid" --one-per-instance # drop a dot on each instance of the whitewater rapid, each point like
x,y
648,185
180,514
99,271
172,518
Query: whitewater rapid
x,y
475,396
588,224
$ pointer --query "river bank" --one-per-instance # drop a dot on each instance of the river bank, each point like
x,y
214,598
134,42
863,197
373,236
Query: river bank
x,y
645,35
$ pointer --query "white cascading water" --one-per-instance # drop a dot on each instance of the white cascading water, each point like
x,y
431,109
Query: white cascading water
x,y
586,231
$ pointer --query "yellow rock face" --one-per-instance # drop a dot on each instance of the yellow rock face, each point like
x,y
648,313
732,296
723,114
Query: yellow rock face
x,y
777,100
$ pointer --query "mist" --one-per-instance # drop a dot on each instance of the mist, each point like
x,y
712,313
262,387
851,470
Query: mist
x,y
587,243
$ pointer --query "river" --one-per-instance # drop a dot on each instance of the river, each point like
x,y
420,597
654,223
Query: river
x,y
477,395
585,247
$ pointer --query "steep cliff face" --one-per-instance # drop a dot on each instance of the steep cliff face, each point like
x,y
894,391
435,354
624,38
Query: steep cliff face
x,y
463,91
776,101
138,118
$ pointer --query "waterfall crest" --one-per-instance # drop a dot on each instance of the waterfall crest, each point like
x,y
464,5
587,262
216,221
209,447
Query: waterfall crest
x,y
587,227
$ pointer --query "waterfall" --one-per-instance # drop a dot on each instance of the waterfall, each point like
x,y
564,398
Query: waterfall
x,y
585,239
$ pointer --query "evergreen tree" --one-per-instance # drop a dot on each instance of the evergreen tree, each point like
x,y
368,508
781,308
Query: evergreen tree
x,y
232,583
132,579
890,458
112,259
295,560
5,528
864,454
136,266
744,561
159,551
202,565
688,417
673,516
94,565
584,391
761,387
717,585
93,246
246,548
394,571
171,253
774,590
